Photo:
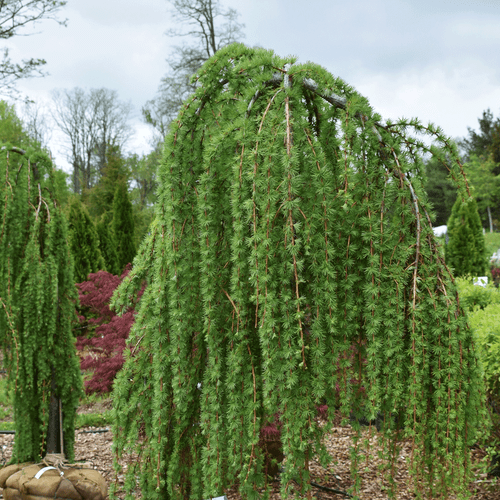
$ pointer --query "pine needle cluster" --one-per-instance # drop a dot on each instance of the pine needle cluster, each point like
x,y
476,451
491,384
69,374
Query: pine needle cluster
x,y
291,265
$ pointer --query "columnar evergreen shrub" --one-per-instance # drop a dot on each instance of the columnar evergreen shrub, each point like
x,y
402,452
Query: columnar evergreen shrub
x,y
465,251
84,241
37,301
123,226
100,197
292,255
107,246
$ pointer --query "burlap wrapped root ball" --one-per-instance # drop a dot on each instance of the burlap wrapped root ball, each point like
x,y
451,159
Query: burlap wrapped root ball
x,y
38,482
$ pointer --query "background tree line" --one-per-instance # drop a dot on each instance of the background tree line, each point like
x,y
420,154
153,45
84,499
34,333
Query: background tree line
x,y
480,151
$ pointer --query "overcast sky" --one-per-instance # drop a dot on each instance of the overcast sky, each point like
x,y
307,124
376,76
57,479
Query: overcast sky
x,y
438,60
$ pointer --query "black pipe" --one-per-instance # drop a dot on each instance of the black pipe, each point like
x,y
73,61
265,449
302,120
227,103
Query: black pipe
x,y
88,432
332,490
96,431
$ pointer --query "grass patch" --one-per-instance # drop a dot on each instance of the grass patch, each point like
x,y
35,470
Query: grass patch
x,y
492,243
94,399
93,419
6,426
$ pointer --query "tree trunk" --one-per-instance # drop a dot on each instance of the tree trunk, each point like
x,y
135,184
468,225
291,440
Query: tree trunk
x,y
55,441
489,218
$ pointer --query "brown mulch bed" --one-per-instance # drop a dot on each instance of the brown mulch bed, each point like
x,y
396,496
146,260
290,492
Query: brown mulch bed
x,y
95,449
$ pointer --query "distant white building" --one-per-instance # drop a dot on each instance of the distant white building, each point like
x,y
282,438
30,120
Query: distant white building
x,y
439,231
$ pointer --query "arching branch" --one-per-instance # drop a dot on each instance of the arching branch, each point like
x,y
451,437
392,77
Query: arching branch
x,y
14,149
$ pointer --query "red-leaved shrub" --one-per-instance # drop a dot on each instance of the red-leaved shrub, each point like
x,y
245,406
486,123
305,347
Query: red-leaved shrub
x,y
102,334
495,273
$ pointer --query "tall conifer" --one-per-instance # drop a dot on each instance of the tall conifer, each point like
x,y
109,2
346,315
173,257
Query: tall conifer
x,y
84,242
99,199
107,246
37,302
466,251
123,226
291,265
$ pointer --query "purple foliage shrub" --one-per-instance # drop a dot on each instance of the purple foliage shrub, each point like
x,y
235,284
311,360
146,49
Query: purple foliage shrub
x,y
495,273
103,334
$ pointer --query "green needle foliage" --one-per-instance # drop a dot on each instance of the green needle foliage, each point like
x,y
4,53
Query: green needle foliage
x,y
291,264
84,242
37,301
123,226
465,252
107,246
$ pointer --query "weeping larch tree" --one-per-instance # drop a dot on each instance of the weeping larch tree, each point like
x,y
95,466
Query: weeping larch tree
x,y
37,306
292,265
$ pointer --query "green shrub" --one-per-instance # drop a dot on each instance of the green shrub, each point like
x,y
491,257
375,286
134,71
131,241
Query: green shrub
x,y
5,412
483,307
123,226
486,326
82,420
472,295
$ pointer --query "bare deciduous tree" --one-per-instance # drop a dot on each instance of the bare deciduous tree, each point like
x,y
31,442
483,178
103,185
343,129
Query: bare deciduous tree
x,y
210,28
37,123
15,16
111,118
92,122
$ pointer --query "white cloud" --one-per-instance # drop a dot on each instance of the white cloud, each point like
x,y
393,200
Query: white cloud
x,y
452,98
